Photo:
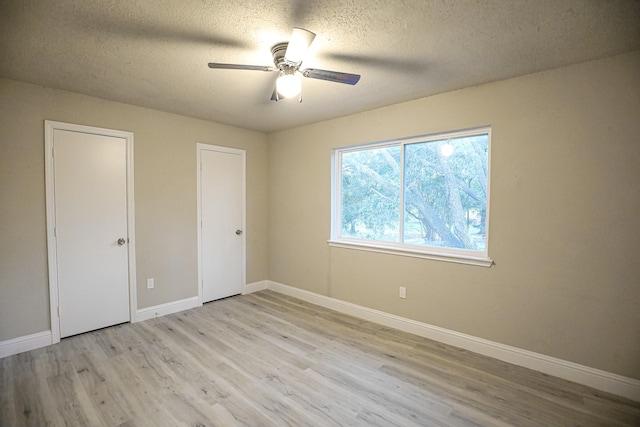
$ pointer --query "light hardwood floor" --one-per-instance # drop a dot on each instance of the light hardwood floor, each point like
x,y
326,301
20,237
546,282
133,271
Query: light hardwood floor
x,y
270,360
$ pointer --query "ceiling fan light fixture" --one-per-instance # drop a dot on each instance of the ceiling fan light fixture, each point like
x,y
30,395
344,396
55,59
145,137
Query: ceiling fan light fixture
x,y
288,85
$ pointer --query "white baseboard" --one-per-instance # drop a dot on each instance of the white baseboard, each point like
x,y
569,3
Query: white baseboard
x,y
43,339
598,379
255,287
25,343
167,308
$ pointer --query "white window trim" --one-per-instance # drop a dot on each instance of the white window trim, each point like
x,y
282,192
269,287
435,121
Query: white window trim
x,y
413,253
480,259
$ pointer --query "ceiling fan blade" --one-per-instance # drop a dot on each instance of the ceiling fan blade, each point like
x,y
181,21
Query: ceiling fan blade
x,y
241,67
298,45
332,76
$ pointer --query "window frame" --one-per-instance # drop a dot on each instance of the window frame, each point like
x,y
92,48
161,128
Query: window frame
x,y
477,258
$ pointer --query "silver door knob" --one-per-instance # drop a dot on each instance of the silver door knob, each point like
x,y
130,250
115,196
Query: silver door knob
x,y
122,241
238,232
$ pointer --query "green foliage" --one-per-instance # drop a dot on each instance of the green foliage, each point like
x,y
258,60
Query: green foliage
x,y
445,193
371,194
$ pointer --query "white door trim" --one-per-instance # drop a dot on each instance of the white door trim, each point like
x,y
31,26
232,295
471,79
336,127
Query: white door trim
x,y
49,127
206,147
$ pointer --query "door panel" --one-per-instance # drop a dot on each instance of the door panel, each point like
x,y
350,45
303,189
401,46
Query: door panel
x,y
222,209
91,215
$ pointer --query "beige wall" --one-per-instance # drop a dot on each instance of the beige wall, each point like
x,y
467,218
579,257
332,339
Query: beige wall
x,y
564,233
165,197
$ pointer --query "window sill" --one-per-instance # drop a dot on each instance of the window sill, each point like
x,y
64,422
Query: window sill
x,y
455,258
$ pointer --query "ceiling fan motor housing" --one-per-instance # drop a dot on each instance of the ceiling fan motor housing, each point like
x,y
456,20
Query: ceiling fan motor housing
x,y
279,61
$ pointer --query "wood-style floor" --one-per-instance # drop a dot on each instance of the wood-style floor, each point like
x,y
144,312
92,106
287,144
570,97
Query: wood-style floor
x,y
269,360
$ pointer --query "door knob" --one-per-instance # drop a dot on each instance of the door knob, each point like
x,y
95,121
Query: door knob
x,y
122,241
238,232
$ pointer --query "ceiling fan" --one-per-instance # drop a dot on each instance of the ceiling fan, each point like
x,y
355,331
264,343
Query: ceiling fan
x,y
287,58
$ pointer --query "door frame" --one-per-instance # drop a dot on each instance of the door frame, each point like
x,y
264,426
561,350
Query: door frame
x,y
207,147
49,127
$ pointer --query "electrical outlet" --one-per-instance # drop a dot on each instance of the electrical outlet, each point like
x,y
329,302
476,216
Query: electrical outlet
x,y
403,292
150,283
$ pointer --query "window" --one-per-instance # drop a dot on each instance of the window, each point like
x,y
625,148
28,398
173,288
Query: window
x,y
424,196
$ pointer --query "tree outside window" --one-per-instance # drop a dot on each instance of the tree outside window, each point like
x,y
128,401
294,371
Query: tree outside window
x,y
429,193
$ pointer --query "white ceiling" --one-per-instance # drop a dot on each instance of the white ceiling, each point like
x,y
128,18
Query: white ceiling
x,y
154,53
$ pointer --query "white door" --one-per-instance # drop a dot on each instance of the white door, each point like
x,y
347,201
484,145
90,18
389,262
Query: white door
x,y
222,174
91,242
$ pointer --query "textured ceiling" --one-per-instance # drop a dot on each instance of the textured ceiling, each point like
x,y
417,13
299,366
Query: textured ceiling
x,y
154,53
